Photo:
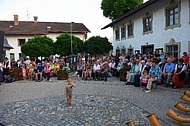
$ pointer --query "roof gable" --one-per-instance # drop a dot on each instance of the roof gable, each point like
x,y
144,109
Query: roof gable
x,y
148,3
40,28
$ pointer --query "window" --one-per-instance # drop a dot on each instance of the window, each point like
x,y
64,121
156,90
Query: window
x,y
123,32
117,52
123,51
12,56
130,30
22,55
173,48
173,14
130,51
147,23
117,34
21,41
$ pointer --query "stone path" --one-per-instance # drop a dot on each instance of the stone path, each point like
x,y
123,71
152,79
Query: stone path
x,y
86,110
26,103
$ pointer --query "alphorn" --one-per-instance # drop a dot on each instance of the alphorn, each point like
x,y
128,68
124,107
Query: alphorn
x,y
187,92
182,107
177,118
153,119
185,98
131,123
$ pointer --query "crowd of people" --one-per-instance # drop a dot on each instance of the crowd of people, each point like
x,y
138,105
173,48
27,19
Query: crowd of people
x,y
142,69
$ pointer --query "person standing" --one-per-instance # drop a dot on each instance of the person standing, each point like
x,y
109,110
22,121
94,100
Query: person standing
x,y
6,67
68,91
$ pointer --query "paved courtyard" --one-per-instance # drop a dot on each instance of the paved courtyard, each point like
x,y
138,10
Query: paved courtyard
x,y
95,103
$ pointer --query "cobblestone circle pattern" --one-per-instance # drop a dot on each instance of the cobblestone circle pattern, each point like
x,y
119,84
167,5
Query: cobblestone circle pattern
x,y
86,110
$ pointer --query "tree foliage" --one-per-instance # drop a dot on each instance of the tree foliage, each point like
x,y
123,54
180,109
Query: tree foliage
x,y
97,45
38,46
114,9
63,44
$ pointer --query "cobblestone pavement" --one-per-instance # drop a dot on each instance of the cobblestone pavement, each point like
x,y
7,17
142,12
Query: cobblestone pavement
x,y
25,103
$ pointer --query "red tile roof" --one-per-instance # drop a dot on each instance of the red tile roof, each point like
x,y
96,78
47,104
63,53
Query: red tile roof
x,y
40,28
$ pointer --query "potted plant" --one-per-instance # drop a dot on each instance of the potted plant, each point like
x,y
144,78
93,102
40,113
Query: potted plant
x,y
16,73
123,72
63,73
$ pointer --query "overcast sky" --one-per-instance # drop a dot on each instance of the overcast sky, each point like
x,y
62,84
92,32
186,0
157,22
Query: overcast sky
x,y
87,12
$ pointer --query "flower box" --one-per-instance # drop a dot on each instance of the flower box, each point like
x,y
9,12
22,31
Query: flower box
x,y
16,73
62,75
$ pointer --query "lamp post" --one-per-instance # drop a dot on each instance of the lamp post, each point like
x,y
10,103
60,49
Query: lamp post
x,y
71,30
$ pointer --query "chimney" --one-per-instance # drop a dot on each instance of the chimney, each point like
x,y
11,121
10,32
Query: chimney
x,y
35,19
16,22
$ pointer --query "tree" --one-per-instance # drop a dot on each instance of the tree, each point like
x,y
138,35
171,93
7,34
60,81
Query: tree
x,y
38,46
114,9
97,45
63,44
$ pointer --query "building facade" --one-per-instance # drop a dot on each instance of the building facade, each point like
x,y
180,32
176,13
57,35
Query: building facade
x,y
162,25
18,32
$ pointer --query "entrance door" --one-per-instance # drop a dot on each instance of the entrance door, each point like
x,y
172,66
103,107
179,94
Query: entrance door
x,y
147,48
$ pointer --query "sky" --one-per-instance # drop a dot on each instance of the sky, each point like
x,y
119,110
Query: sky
x,y
87,12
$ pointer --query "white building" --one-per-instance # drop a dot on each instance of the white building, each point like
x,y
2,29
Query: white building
x,y
162,25
18,32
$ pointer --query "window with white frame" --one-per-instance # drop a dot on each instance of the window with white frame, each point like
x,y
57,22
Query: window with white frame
x,y
123,32
21,41
173,14
117,34
173,48
147,23
130,29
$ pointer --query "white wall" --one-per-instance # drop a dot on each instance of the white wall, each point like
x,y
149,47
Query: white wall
x,y
160,36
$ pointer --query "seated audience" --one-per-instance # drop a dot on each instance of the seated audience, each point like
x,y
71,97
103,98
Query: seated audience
x,y
140,72
155,74
97,70
178,79
104,70
133,71
168,71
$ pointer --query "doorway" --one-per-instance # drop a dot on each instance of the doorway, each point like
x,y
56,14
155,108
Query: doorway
x,y
147,48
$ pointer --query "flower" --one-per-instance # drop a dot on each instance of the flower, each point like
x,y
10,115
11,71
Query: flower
x,y
125,67
67,69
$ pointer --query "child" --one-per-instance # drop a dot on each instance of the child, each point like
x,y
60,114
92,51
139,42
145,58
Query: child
x,y
23,72
144,80
68,91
